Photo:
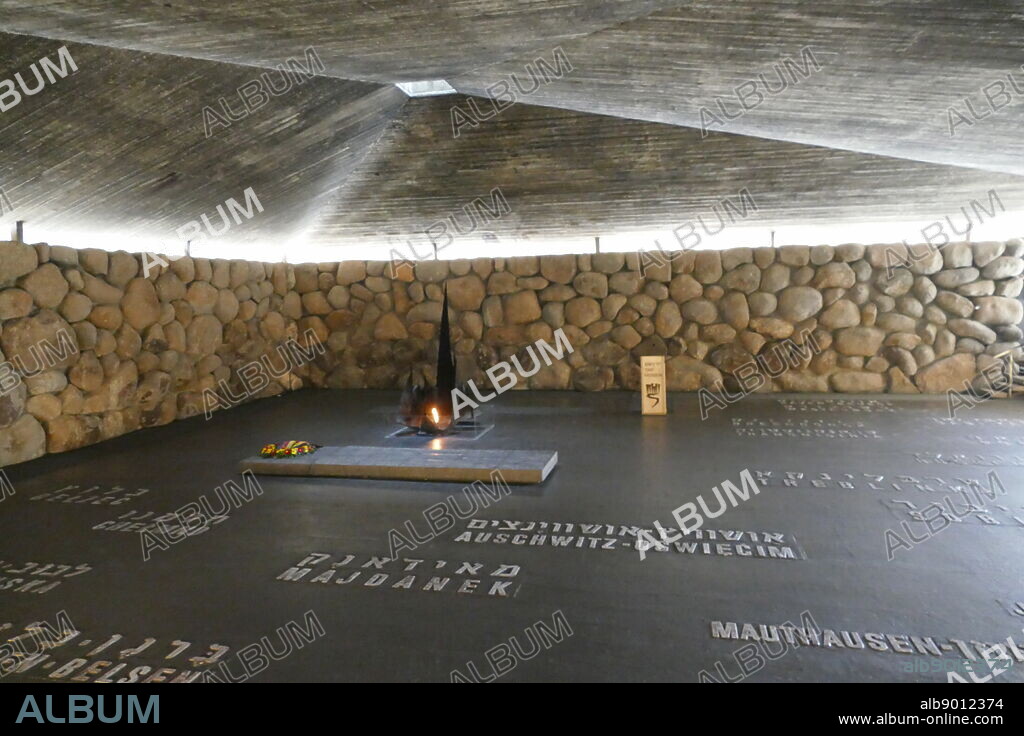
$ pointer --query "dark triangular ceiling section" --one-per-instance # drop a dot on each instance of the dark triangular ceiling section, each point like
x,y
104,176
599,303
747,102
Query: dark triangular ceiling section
x,y
890,71
570,174
375,40
122,146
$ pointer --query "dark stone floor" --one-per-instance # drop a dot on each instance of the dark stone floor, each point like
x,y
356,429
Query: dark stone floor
x,y
631,620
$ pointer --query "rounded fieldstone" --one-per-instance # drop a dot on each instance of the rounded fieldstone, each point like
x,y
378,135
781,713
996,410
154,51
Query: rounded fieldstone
x,y
775,278
707,266
523,266
16,303
305,275
22,441
604,352
735,309
835,275
955,304
625,282
25,340
202,297
956,277
490,310
502,282
745,278
87,373
843,313
795,255
762,304
626,336
350,272
129,342
612,304
466,292
667,319
924,260
970,345
729,358
338,297
140,304
228,305
802,276
957,255
797,303
591,284
122,269
76,307
559,269
1010,287
521,308
389,327
204,335
46,284
999,310
984,287
898,283
985,252
821,254
719,334
884,303
627,316
864,341
656,290
1004,267
895,322
46,382
1010,333
773,327
684,287
701,311
427,272
764,257
923,354
947,374
18,259
859,294
607,262
924,289
582,311
101,292
849,252
972,329
910,306
735,257
554,314
643,304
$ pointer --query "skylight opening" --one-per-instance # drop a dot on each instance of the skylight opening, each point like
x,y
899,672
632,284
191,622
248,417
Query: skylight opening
x,y
427,88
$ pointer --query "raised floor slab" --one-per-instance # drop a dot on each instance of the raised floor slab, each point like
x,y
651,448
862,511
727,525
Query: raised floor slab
x,y
407,463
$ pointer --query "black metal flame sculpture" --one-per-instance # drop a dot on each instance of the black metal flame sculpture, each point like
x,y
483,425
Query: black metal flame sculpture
x,y
426,408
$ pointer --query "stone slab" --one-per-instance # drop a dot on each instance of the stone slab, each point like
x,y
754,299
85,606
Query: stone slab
x,y
406,463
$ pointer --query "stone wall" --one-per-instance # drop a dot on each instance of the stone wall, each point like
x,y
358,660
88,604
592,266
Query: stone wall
x,y
89,349
150,350
881,319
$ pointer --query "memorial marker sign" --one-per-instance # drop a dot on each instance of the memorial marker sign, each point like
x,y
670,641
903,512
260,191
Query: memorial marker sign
x,y
653,397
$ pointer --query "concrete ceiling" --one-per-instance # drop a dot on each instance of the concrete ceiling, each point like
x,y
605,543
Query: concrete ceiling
x,y
564,172
121,146
376,40
890,71
613,145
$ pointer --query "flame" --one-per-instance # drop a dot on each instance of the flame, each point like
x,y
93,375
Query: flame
x,y
434,415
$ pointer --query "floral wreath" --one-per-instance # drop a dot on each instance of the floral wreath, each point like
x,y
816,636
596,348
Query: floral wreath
x,y
291,448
